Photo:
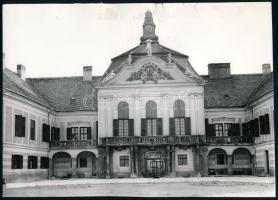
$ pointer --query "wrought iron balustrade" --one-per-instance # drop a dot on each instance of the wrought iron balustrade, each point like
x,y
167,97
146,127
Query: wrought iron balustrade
x,y
72,144
152,140
229,139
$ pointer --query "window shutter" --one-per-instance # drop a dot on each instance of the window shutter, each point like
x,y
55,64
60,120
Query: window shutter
x,y
53,133
22,126
207,126
18,125
130,127
187,126
69,135
159,126
115,127
211,131
89,137
235,130
47,133
244,129
58,134
143,127
43,132
96,129
266,120
172,126
252,127
262,125
256,128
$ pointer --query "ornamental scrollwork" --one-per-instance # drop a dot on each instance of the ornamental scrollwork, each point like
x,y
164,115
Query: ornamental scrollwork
x,y
150,72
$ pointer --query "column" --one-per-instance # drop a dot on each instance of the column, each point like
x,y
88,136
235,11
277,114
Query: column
x,y
107,163
168,160
50,169
253,160
173,161
73,167
197,160
165,115
132,161
205,161
230,165
136,157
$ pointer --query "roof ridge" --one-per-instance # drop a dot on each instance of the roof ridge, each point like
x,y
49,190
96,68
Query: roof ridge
x,y
61,77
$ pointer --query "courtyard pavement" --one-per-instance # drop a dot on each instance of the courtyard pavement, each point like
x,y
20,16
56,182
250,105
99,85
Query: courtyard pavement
x,y
94,181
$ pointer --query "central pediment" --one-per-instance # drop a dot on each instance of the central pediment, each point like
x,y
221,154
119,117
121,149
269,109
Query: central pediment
x,y
150,69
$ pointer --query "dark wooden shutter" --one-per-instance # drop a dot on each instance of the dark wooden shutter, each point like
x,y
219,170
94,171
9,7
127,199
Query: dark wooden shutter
x,y
211,132
244,129
256,127
47,133
53,133
187,126
130,127
96,129
266,120
116,127
252,125
235,129
89,136
58,134
172,126
18,125
262,125
23,126
143,127
69,134
43,132
207,126
159,126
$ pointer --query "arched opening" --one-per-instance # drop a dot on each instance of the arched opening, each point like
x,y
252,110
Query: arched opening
x,y
86,164
123,110
153,164
217,162
62,165
242,162
151,109
179,108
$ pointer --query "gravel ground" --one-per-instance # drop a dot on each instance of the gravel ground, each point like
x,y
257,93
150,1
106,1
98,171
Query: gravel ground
x,y
162,189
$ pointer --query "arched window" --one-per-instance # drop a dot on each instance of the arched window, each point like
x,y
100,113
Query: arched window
x,y
123,110
180,125
179,108
151,109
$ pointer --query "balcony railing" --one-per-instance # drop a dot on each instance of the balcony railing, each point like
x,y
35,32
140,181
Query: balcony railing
x,y
229,140
152,140
73,144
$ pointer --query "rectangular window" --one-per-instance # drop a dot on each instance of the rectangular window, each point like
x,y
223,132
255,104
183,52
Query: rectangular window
x,y
83,162
17,161
151,127
32,129
179,126
182,159
32,162
44,162
218,130
83,133
75,133
220,158
45,133
227,129
19,126
124,161
123,127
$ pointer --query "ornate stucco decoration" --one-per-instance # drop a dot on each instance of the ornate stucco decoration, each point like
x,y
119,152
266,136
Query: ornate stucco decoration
x,y
150,72
225,119
78,123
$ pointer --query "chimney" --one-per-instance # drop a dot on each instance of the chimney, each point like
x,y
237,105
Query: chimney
x,y
266,68
87,73
21,71
219,70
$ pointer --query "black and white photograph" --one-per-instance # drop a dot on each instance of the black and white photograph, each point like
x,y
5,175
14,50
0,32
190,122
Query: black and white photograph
x,y
138,100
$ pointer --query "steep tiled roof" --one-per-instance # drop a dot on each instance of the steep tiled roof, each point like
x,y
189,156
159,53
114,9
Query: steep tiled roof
x,y
263,88
67,93
139,51
12,82
230,92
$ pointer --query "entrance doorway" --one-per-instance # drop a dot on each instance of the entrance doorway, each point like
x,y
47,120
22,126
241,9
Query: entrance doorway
x,y
153,164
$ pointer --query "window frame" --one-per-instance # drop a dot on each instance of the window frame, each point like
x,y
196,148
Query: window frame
x,y
153,127
220,154
82,162
182,159
17,161
32,162
82,134
32,129
124,160
178,126
44,162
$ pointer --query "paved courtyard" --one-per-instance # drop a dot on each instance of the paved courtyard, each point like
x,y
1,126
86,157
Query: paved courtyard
x,y
163,187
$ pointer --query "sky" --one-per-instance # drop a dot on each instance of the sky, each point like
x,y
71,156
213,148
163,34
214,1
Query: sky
x,y
53,40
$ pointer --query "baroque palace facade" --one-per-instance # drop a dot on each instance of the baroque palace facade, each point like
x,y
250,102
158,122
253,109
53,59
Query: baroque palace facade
x,y
149,115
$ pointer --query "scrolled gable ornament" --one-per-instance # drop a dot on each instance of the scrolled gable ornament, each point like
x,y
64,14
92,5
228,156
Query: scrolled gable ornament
x,y
150,72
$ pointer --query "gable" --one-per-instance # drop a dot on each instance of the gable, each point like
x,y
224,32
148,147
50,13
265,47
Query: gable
x,y
152,70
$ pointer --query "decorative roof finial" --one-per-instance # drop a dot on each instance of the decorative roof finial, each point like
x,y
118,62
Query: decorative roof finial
x,y
148,28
